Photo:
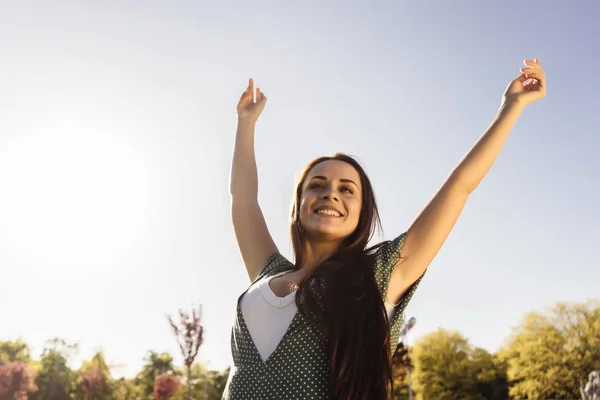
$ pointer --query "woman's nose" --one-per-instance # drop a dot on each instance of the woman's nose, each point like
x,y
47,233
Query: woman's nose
x,y
330,194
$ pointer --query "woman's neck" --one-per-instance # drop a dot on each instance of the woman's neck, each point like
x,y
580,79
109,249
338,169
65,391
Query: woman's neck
x,y
316,252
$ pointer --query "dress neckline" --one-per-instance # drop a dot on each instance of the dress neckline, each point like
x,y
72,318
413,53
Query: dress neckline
x,y
271,297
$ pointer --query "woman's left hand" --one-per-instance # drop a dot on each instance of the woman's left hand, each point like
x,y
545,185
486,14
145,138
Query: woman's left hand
x,y
526,93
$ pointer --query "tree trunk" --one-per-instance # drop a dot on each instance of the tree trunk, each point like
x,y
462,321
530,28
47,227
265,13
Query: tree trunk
x,y
189,382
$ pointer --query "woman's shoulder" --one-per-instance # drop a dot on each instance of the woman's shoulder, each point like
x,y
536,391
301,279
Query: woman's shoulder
x,y
385,256
275,264
387,252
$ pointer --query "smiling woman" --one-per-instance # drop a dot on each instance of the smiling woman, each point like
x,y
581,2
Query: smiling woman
x,y
74,200
334,338
323,215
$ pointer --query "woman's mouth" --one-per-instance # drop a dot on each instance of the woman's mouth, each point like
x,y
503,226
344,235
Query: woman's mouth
x,y
328,212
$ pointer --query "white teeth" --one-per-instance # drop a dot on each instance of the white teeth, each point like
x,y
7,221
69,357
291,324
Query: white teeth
x,y
329,212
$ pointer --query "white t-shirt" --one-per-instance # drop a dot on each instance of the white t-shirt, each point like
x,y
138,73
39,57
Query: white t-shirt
x,y
268,316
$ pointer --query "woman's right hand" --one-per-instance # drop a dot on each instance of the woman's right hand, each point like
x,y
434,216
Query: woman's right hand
x,y
249,107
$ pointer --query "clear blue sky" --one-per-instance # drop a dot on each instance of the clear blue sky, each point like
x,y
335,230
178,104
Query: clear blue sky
x,y
116,133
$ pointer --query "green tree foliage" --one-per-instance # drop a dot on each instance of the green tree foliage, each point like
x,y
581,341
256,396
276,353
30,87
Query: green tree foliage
x,y
490,375
94,380
216,384
16,351
448,367
400,364
204,384
155,364
55,379
127,389
549,355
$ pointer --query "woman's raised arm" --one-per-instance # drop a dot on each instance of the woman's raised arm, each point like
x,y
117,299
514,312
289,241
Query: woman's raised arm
x,y
430,229
253,237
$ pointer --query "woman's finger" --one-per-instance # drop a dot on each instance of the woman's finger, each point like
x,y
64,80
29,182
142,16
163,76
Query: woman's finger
x,y
535,75
244,96
532,71
258,95
533,64
536,82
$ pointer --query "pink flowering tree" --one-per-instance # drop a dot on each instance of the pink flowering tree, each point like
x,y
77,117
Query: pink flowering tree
x,y
166,386
16,381
190,335
91,381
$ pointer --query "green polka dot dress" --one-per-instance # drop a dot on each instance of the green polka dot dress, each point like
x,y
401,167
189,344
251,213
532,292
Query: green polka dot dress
x,y
297,369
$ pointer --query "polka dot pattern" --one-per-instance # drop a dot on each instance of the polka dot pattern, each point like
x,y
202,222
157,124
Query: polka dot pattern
x,y
297,369
386,258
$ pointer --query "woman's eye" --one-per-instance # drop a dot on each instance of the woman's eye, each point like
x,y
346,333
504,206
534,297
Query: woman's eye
x,y
347,189
315,185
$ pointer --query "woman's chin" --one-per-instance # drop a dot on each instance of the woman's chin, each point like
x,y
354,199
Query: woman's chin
x,y
326,232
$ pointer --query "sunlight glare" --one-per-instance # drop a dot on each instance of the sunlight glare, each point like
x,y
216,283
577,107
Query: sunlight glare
x,y
77,202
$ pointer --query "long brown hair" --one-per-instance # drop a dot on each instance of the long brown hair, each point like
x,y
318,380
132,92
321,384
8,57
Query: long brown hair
x,y
343,302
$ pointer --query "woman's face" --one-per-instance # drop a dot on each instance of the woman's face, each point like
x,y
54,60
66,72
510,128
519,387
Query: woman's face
x,y
331,201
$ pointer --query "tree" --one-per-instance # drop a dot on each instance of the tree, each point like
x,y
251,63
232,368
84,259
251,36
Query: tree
x,y
400,364
190,336
16,381
14,351
204,384
490,375
448,367
91,380
216,384
442,367
156,364
126,389
55,380
165,386
550,354
94,379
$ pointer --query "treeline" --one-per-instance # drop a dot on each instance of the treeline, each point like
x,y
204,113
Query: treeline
x,y
549,355
50,378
